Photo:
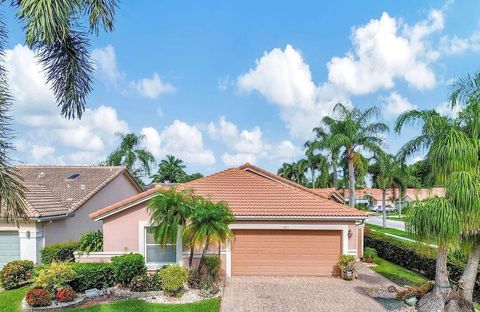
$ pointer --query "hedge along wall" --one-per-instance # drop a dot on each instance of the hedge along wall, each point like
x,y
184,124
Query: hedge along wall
x,y
416,258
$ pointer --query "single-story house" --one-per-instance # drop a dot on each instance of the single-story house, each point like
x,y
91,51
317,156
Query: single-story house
x,y
59,200
373,196
281,228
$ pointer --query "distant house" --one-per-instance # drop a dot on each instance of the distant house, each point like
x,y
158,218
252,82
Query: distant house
x,y
281,227
59,200
373,196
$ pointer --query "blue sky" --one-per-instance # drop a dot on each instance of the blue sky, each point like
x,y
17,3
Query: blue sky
x,y
218,83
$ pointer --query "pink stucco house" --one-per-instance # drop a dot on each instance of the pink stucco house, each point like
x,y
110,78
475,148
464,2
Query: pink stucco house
x,y
281,228
59,200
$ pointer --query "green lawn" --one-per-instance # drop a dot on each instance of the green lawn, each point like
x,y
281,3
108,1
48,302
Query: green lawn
x,y
10,302
10,299
381,229
398,274
396,217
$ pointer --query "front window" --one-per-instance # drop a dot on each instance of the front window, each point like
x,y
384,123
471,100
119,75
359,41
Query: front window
x,y
155,253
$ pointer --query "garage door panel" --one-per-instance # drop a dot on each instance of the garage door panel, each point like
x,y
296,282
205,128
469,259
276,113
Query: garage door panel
x,y
9,247
285,252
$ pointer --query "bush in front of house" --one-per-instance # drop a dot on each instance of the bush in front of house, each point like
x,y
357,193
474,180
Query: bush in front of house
x,y
91,241
38,298
62,252
212,265
173,278
146,282
16,274
65,294
92,275
56,276
126,267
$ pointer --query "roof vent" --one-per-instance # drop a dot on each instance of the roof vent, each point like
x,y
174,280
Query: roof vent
x,y
72,177
41,175
82,187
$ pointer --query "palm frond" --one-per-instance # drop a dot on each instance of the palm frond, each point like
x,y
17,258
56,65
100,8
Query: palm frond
x,y
101,13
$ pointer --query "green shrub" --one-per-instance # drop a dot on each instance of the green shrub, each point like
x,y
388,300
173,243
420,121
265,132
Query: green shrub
x,y
92,275
62,252
38,298
57,275
212,264
91,241
173,278
16,274
369,253
126,267
416,257
208,287
146,282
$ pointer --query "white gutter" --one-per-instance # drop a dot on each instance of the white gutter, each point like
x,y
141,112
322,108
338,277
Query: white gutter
x,y
299,218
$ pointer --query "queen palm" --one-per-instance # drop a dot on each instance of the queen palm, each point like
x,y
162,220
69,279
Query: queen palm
x,y
209,224
294,171
390,176
356,130
170,169
54,30
168,211
131,154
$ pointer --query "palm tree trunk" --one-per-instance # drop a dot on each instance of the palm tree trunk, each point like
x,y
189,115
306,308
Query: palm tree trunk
x,y
400,205
219,248
463,293
313,177
351,180
204,252
435,300
335,173
384,213
190,258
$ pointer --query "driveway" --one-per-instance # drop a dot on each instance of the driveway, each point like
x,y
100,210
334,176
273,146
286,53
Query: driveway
x,y
378,220
302,294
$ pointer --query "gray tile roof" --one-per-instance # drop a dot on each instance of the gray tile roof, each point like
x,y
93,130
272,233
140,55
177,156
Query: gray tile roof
x,y
50,193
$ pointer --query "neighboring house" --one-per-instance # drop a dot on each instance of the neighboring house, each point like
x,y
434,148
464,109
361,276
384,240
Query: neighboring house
x,y
281,228
59,200
329,193
373,196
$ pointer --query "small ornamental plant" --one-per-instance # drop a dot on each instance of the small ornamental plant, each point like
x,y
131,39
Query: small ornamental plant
x,y
369,254
16,274
38,298
65,294
173,278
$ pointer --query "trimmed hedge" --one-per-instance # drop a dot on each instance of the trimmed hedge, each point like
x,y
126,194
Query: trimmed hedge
x,y
126,267
62,252
92,275
420,259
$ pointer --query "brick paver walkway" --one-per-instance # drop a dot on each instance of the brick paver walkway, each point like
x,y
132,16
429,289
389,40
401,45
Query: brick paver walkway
x,y
302,294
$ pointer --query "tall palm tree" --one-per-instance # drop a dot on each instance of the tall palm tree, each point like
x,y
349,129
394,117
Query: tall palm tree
x,y
322,141
209,224
316,162
390,176
54,30
356,130
170,169
169,210
132,155
294,171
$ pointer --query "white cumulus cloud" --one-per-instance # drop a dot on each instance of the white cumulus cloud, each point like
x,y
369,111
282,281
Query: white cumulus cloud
x,y
152,87
395,104
180,139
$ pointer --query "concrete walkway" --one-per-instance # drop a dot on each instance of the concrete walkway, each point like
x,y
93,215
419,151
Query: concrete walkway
x,y
302,294
378,220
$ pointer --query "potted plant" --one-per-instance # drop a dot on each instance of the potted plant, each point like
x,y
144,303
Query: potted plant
x,y
346,263
369,254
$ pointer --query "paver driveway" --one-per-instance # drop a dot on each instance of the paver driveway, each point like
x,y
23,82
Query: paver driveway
x,y
302,294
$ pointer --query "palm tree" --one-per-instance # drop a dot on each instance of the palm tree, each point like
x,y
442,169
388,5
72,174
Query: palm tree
x,y
323,135
171,170
54,30
355,130
316,162
294,171
390,176
132,155
209,224
168,211
287,171
436,220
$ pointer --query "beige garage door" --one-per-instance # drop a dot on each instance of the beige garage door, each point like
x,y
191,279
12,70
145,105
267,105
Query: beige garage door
x,y
286,252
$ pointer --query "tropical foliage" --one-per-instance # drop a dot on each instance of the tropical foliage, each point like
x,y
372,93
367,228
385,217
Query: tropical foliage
x,y
132,154
56,32
172,170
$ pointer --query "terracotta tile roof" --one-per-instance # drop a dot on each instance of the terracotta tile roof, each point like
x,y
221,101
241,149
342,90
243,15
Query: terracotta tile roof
x,y
329,193
50,193
253,192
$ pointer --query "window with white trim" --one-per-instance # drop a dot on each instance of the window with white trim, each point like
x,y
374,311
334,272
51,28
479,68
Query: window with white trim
x,y
155,253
